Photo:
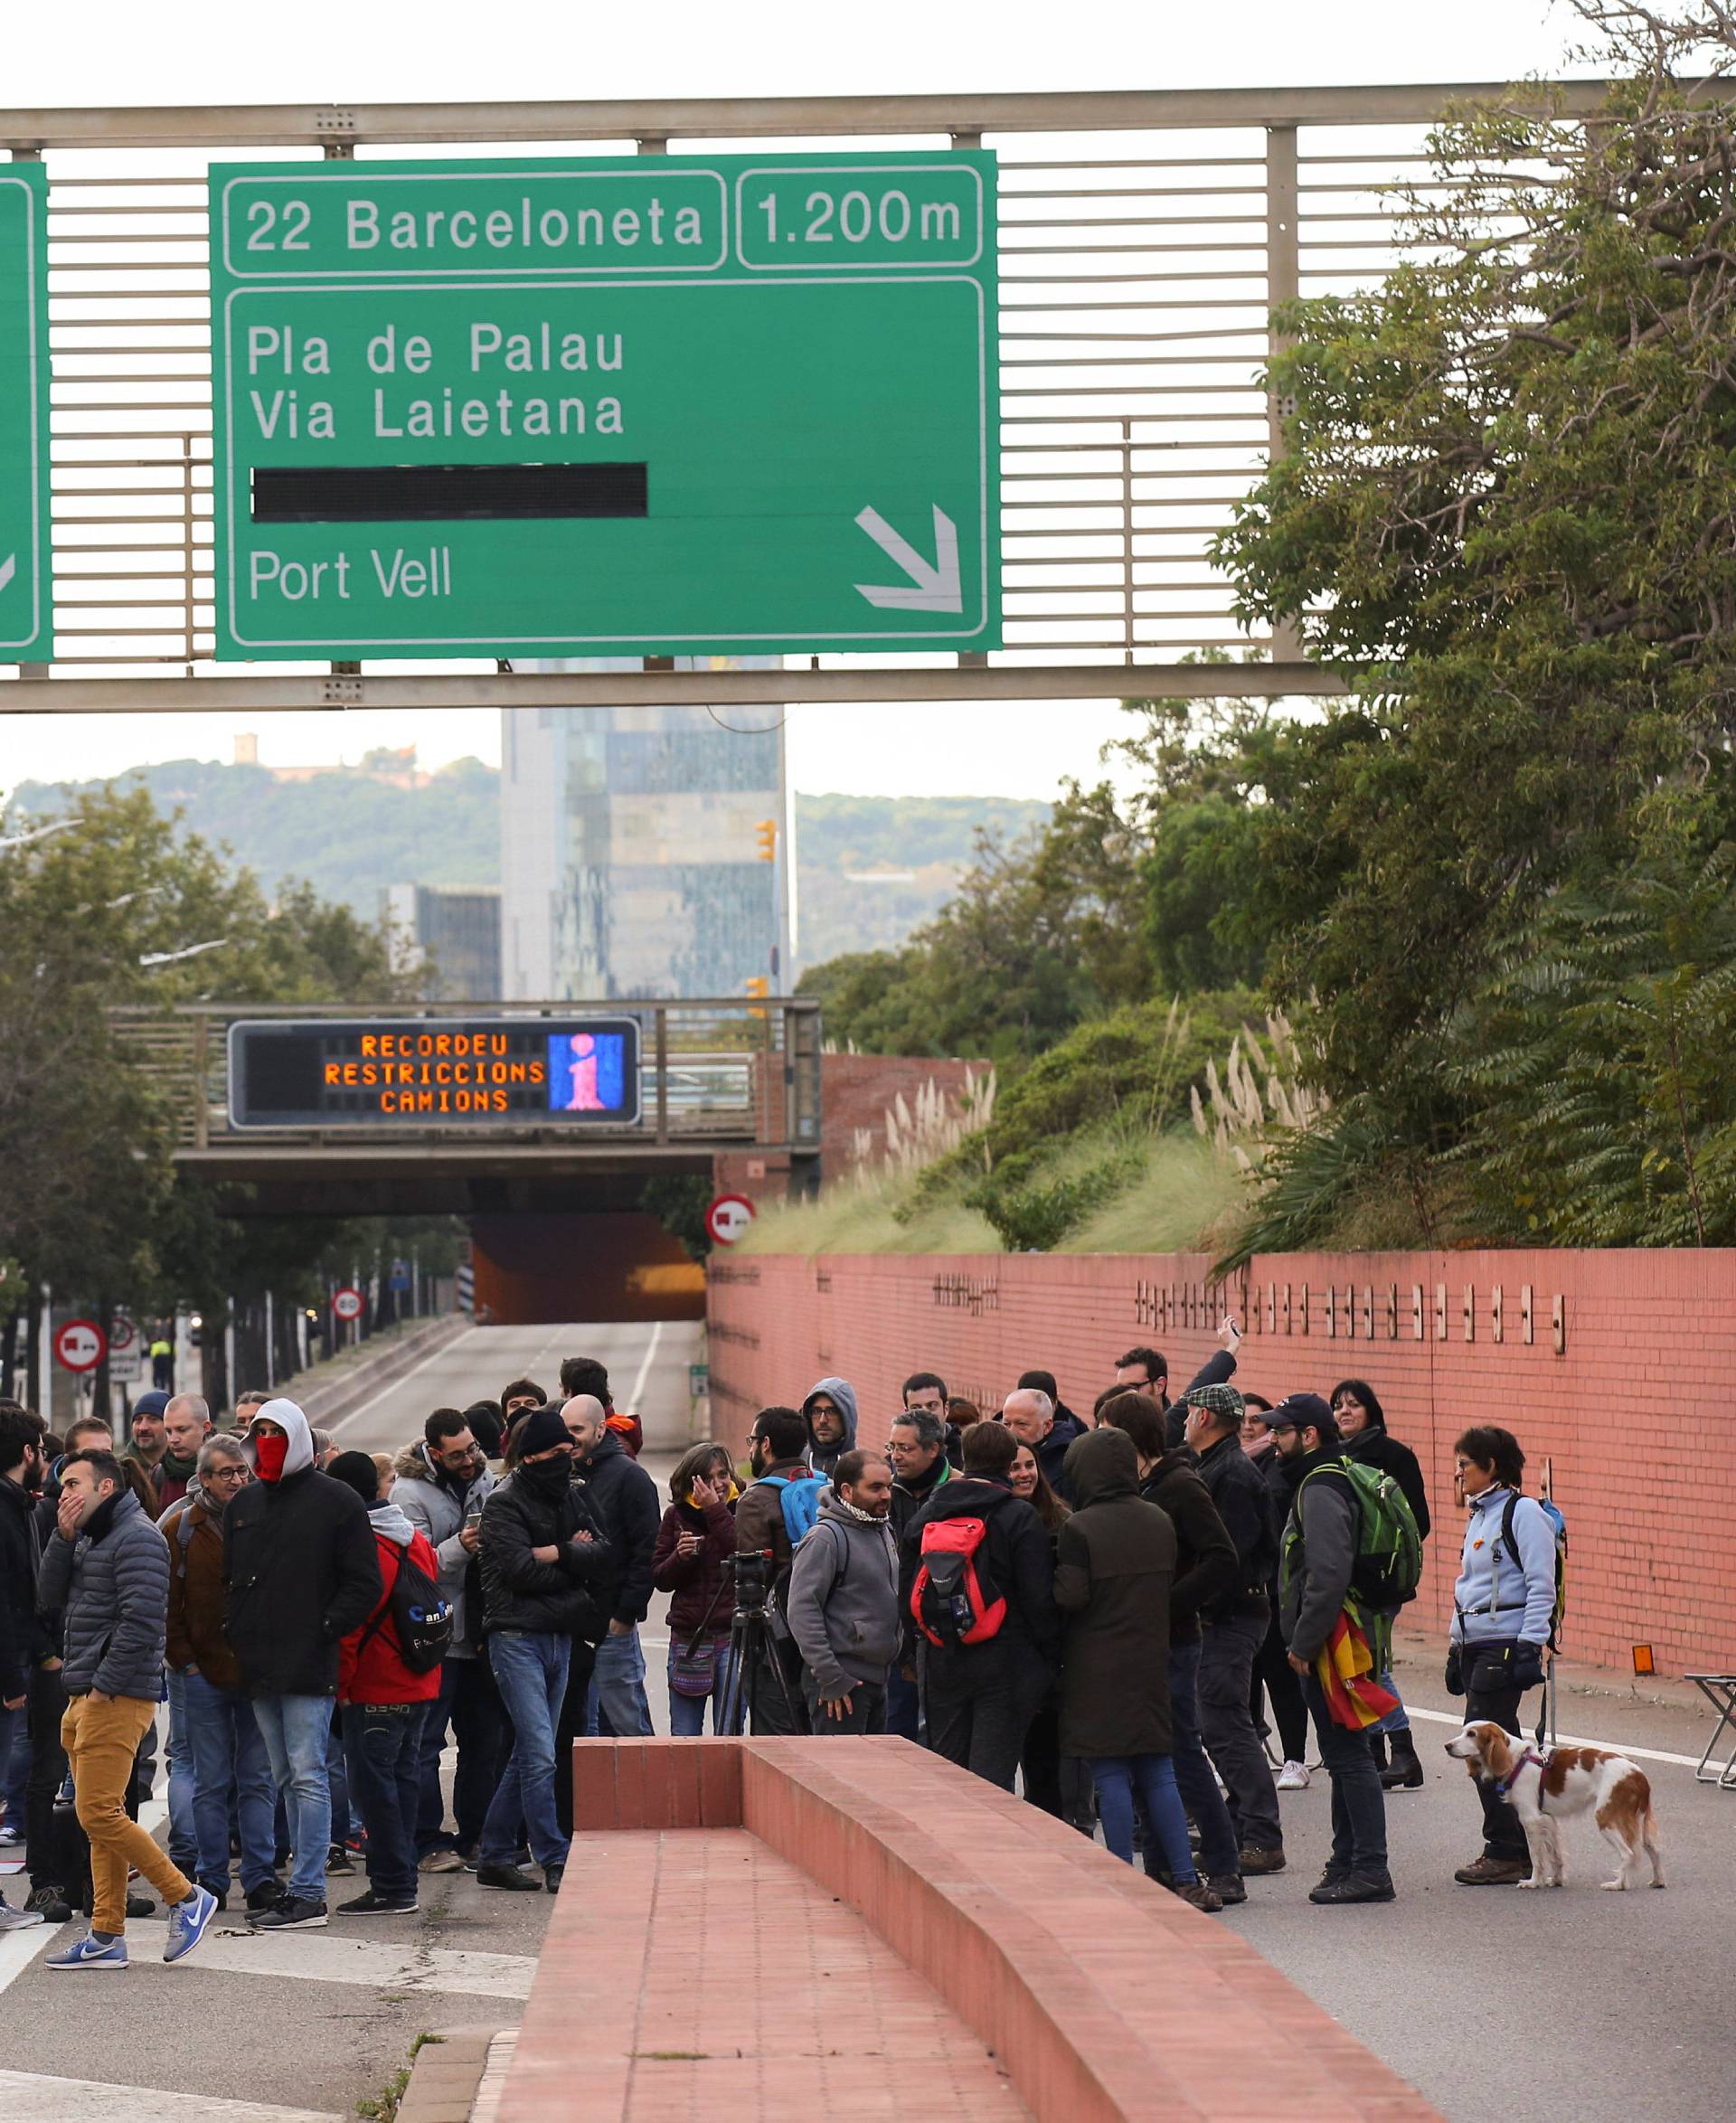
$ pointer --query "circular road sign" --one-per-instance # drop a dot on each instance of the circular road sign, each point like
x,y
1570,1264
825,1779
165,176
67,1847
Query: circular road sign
x,y
728,1217
78,1344
346,1303
122,1334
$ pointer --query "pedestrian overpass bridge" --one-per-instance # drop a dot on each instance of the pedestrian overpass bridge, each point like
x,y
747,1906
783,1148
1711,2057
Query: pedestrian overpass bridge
x,y
341,1110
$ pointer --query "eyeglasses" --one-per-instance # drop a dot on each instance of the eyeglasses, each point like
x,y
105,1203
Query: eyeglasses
x,y
227,1474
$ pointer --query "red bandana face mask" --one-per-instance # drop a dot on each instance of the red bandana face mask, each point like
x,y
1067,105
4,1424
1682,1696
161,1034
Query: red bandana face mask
x,y
269,1454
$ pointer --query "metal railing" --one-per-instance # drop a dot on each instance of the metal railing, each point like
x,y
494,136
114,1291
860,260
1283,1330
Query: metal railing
x,y
1144,237
714,1074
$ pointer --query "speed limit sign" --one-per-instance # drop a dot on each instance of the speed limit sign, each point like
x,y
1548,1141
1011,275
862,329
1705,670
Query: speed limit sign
x,y
78,1344
346,1303
728,1217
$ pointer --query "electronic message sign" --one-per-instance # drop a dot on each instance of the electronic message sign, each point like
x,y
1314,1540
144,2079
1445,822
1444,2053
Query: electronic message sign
x,y
397,1072
26,581
665,405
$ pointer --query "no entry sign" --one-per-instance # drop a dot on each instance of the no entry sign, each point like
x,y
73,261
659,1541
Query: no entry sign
x,y
728,1217
78,1344
346,1303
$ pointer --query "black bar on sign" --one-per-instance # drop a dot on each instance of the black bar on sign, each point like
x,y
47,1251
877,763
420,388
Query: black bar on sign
x,y
403,493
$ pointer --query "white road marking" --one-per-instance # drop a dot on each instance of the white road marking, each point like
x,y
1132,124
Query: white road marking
x,y
18,1949
439,1355
1638,1754
336,1956
33,2097
635,1397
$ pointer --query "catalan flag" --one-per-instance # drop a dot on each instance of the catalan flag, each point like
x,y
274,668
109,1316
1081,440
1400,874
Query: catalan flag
x,y
1346,1669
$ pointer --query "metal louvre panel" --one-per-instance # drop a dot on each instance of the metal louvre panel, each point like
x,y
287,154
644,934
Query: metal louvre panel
x,y
1143,237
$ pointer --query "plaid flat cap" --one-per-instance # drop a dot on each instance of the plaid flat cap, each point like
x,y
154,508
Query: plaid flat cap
x,y
1222,1402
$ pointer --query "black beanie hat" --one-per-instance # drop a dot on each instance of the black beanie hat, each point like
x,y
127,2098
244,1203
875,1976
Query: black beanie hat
x,y
542,1428
357,1471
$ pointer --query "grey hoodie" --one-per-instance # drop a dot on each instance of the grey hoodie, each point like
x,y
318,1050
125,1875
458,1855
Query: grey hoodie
x,y
390,1524
843,1598
823,1459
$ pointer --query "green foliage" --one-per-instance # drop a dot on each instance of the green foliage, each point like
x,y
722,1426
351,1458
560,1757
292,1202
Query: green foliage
x,y
1049,1200
679,1201
1607,1038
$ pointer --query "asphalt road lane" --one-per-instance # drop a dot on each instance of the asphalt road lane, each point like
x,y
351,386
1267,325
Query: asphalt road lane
x,y
1582,2006
647,1370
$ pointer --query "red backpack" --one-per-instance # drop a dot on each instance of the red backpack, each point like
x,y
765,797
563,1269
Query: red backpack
x,y
954,1600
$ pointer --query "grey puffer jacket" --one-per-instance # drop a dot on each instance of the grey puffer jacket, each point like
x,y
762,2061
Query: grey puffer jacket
x,y
435,1507
112,1584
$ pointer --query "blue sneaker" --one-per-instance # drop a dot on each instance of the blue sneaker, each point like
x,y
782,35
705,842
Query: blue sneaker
x,y
187,1922
89,1953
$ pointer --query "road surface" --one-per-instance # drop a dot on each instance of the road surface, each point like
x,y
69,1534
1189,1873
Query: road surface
x,y
1582,2006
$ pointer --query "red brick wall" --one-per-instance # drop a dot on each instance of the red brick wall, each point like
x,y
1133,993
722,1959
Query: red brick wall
x,y
857,1090
1632,1411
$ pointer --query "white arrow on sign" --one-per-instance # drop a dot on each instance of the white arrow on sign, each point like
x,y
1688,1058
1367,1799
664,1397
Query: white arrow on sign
x,y
8,569
937,588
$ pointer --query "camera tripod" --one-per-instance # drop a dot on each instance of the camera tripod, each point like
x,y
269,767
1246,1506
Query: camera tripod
x,y
754,1653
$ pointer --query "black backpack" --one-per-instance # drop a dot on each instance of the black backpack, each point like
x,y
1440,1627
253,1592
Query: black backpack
x,y
421,1616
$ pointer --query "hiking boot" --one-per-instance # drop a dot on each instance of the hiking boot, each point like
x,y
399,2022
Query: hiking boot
x,y
1228,1888
1198,1895
440,1861
51,1904
1256,1862
140,1905
1354,1887
507,1876
1405,1773
1293,1776
1494,1872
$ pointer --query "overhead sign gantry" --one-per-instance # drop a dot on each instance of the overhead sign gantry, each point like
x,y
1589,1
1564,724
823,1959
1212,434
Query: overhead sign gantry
x,y
651,406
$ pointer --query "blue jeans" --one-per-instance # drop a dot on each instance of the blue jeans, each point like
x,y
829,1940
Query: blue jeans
x,y
1194,1778
338,1780
469,1701
1114,1776
531,1667
297,1732
229,1760
687,1712
184,1839
382,1751
617,1689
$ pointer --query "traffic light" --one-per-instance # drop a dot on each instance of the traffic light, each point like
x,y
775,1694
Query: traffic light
x,y
758,985
766,833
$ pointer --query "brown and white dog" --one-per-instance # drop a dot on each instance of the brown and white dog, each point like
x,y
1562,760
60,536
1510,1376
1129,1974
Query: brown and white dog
x,y
1543,1788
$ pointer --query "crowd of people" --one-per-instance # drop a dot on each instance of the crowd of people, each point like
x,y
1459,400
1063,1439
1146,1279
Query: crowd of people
x,y
1101,1610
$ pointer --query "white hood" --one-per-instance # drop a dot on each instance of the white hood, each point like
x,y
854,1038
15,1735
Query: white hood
x,y
294,1425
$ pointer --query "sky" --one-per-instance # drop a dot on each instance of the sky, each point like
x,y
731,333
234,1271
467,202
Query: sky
x,y
213,52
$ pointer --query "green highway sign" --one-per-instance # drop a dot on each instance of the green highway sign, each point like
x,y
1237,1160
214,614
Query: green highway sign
x,y
652,405
26,574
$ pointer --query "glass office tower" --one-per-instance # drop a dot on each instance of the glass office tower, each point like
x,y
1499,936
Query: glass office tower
x,y
633,850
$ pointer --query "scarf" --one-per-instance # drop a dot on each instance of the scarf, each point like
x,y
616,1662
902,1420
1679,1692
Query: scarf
x,y
178,1469
855,1512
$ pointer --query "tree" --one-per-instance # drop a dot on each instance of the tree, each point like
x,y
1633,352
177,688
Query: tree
x,y
1508,519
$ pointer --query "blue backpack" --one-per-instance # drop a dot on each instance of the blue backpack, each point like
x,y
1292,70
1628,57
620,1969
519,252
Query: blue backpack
x,y
800,1501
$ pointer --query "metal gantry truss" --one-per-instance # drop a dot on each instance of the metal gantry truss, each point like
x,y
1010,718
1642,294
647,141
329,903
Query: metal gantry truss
x,y
1144,237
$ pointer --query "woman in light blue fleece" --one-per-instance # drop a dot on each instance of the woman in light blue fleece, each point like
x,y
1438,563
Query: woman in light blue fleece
x,y
1503,1606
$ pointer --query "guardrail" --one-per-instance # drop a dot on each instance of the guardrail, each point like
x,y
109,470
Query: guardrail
x,y
714,1072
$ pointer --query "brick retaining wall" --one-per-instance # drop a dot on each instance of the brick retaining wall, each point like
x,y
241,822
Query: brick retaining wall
x,y
1615,1367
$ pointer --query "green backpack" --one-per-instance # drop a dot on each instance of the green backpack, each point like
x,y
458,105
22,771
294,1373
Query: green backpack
x,y
1388,1568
